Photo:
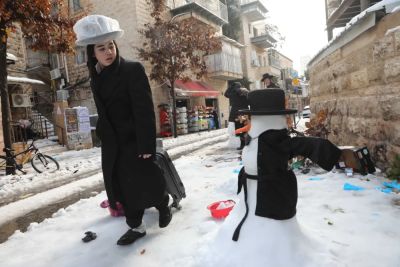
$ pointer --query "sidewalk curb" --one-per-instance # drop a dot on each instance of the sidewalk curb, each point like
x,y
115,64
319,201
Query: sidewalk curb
x,y
40,188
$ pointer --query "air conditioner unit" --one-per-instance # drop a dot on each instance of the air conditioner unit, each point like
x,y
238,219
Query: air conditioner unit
x,y
21,100
55,74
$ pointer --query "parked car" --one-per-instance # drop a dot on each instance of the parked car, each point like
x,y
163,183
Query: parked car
x,y
306,112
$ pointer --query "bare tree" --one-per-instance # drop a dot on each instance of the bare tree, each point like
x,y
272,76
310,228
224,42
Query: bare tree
x,y
176,48
48,28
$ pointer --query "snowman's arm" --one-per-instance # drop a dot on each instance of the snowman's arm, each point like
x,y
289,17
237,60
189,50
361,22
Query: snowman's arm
x,y
320,151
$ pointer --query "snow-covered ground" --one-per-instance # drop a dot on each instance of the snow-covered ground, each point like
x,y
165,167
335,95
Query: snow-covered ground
x,y
358,228
75,165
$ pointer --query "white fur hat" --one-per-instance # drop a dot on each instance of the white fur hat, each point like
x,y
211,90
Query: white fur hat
x,y
96,29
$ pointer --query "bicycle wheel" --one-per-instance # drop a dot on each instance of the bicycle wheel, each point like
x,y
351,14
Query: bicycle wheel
x,y
43,163
3,165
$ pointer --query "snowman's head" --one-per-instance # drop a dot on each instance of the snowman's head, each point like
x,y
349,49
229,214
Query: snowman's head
x,y
262,123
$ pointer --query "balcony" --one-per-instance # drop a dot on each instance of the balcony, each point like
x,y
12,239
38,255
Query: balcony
x,y
274,62
212,10
346,11
224,66
263,40
254,10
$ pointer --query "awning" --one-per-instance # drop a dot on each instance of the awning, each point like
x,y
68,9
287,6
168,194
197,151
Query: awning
x,y
11,58
194,88
18,80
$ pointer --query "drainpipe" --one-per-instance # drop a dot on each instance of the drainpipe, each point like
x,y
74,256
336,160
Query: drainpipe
x,y
328,28
66,67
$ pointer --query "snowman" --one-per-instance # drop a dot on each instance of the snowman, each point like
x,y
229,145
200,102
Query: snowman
x,y
262,228
237,100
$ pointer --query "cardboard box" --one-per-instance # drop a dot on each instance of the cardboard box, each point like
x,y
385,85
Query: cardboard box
x,y
59,126
79,140
71,120
84,127
82,111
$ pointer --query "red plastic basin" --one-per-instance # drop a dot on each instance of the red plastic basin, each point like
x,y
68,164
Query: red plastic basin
x,y
221,209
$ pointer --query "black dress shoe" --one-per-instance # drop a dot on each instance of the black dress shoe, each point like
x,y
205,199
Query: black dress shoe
x,y
89,236
165,217
129,237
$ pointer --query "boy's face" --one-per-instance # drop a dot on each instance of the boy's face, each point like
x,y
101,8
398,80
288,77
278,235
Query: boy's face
x,y
267,82
105,53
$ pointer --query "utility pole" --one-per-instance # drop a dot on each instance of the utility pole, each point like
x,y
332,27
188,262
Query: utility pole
x,y
5,101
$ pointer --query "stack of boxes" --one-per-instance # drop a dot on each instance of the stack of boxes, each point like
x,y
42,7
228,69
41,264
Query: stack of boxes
x,y
77,122
59,119
182,122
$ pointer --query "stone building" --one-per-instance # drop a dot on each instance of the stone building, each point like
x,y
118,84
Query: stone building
x,y
256,41
259,55
22,83
249,57
132,15
65,77
357,78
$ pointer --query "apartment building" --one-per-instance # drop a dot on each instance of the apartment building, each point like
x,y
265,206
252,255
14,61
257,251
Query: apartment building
x,y
132,15
23,82
256,40
67,78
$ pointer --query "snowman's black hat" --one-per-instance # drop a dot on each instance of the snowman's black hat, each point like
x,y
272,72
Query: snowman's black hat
x,y
267,102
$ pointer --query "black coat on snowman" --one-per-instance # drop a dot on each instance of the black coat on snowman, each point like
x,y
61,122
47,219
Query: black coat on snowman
x,y
276,182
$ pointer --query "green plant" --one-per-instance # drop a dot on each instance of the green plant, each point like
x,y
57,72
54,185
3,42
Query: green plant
x,y
394,170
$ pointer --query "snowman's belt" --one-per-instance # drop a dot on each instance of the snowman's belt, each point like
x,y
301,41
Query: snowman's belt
x,y
251,177
242,182
271,176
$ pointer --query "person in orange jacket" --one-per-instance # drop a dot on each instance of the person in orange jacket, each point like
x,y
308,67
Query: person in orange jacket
x,y
244,120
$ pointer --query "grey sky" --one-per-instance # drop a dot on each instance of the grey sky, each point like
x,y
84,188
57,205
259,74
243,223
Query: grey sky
x,y
302,23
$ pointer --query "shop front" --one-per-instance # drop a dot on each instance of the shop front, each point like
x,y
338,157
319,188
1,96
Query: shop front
x,y
196,108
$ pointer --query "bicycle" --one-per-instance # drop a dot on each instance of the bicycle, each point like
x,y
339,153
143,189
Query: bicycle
x,y
39,161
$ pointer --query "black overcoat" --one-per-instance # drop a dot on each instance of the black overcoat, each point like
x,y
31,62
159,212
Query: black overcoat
x,y
126,128
277,185
237,100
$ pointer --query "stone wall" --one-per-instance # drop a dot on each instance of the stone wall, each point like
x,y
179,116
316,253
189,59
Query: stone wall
x,y
359,84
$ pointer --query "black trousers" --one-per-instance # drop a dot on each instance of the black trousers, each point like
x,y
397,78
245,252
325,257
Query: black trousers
x,y
134,217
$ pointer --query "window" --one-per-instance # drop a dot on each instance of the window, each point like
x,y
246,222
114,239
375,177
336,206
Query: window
x,y
255,31
56,61
170,4
54,9
76,5
80,56
254,59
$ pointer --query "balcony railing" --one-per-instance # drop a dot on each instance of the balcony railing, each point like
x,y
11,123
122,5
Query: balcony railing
x,y
225,66
253,9
274,62
213,10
